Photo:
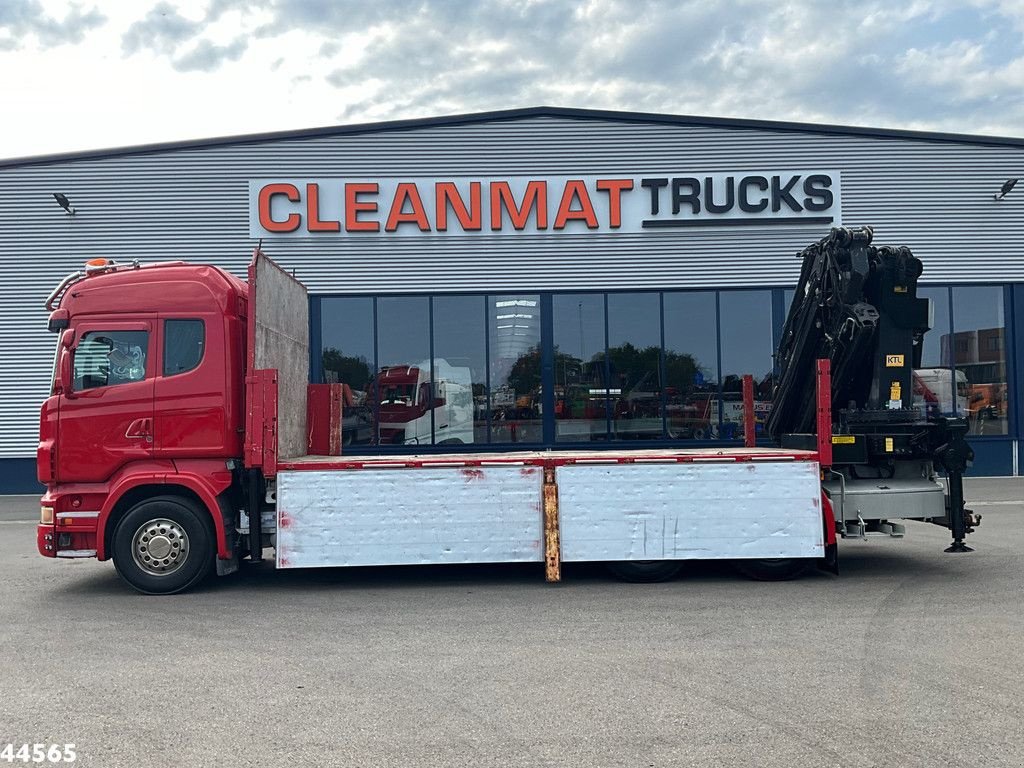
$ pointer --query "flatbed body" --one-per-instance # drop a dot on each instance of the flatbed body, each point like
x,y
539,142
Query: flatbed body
x,y
609,505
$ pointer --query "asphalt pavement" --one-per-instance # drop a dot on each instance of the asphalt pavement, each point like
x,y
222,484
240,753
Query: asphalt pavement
x,y
911,657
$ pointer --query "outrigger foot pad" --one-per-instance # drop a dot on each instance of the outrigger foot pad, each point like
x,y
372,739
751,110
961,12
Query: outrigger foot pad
x,y
958,546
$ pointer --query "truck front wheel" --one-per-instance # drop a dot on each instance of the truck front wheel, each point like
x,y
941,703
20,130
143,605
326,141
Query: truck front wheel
x,y
163,545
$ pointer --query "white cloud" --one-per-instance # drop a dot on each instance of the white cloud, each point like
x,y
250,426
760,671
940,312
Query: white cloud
x,y
130,74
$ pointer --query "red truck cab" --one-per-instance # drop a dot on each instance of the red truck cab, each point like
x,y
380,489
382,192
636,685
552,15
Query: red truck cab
x,y
147,398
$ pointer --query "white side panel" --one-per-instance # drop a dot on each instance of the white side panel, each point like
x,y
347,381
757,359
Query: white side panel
x,y
690,511
409,516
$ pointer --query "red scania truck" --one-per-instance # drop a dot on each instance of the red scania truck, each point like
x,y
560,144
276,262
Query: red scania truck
x,y
176,443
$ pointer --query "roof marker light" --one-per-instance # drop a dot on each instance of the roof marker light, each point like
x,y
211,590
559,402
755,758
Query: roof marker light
x,y
99,265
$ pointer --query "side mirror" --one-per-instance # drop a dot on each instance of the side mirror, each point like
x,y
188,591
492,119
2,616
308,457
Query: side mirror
x,y
62,376
59,320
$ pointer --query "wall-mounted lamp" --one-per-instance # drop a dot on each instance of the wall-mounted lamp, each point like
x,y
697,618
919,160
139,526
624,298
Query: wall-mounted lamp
x,y
64,203
1005,189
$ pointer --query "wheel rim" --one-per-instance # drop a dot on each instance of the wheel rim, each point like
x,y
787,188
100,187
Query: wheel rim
x,y
160,547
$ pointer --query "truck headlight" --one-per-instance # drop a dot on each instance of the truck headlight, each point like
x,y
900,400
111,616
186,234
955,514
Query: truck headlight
x,y
46,515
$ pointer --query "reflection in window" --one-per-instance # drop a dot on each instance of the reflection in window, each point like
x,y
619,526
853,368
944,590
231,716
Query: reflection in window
x,y
515,368
403,397
691,365
108,358
581,391
746,338
634,362
460,370
979,360
346,331
933,379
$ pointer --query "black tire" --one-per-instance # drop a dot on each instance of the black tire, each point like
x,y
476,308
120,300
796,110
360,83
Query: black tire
x,y
645,571
782,569
173,528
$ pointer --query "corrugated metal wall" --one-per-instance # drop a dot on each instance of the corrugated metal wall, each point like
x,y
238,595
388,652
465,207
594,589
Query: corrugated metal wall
x,y
191,203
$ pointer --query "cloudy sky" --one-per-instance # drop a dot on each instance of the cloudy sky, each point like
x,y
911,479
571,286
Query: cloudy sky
x,y
83,75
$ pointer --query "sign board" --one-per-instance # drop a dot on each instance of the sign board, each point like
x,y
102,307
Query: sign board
x,y
531,205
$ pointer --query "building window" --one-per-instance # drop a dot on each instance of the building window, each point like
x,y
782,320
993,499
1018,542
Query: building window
x,y
691,365
634,365
747,348
460,370
402,395
979,325
348,358
933,380
514,367
581,384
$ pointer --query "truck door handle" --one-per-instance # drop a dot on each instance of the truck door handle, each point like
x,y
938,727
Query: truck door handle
x,y
140,428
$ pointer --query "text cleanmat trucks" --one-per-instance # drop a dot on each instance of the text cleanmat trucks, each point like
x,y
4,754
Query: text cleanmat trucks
x,y
176,442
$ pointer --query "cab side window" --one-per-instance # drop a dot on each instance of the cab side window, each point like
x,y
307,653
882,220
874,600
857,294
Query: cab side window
x,y
108,358
184,341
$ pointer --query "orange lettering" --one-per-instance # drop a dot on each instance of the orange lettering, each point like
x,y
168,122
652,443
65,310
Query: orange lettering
x,y
313,221
407,192
353,207
575,190
536,195
614,188
445,193
292,221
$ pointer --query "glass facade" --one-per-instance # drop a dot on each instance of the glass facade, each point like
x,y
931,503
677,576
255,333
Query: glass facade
x,y
628,367
565,369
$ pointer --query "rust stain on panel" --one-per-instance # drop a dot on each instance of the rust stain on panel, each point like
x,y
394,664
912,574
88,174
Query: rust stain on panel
x,y
552,537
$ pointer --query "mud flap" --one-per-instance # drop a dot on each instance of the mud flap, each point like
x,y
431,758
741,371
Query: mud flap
x,y
830,562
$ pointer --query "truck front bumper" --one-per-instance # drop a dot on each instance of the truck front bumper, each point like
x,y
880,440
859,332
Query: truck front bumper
x,y
64,529
46,540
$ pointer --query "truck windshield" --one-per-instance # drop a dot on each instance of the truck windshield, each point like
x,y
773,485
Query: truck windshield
x,y
398,393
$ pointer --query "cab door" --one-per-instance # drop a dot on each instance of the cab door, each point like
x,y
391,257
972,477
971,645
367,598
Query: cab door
x,y
105,417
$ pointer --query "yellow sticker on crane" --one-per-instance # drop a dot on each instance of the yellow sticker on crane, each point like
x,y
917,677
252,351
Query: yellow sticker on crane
x,y
894,391
844,439
894,361
888,445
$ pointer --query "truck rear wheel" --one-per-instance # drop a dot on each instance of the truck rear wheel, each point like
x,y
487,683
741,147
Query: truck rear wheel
x,y
781,569
163,545
645,571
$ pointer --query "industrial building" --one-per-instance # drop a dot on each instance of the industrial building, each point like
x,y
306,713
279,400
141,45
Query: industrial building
x,y
540,277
